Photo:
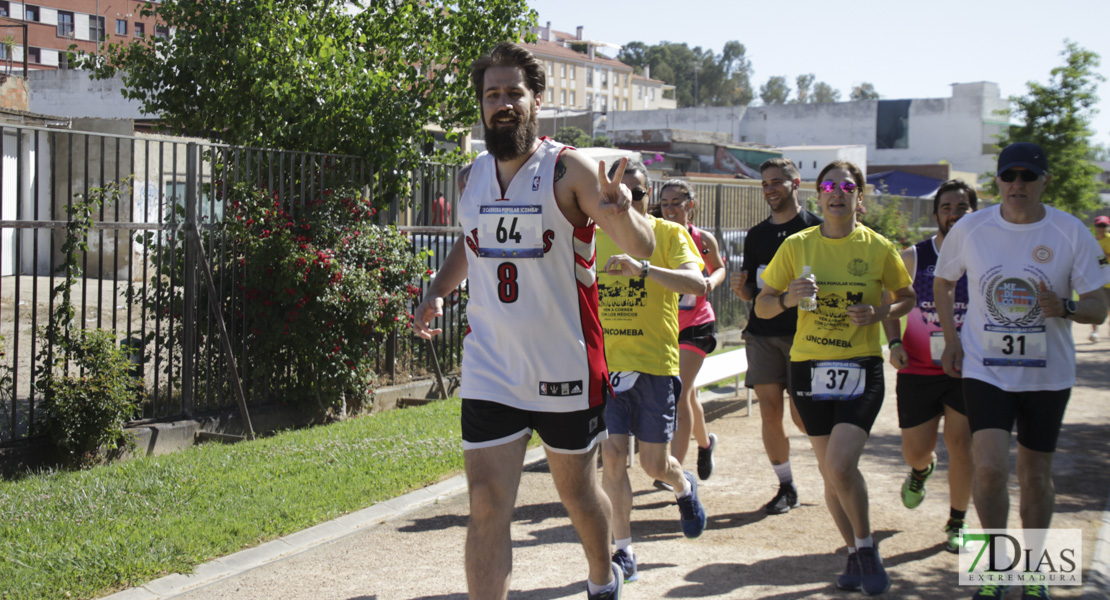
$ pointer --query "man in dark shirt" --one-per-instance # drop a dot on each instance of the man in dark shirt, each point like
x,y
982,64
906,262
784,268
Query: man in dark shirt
x,y
768,341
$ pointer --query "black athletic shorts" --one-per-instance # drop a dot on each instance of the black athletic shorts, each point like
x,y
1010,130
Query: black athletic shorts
x,y
486,424
922,397
699,338
1039,414
841,396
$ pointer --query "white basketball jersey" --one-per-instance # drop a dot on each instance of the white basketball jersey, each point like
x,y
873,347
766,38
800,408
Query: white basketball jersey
x,y
534,340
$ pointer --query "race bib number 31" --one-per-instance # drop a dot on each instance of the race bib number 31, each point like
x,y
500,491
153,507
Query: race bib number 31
x,y
837,380
510,231
1015,346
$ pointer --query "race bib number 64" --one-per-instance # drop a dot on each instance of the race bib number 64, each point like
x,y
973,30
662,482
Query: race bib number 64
x,y
510,231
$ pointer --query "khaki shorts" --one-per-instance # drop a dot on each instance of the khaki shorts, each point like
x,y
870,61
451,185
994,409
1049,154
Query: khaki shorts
x,y
768,359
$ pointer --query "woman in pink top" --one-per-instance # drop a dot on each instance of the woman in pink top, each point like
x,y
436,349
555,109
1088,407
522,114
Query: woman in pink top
x,y
697,325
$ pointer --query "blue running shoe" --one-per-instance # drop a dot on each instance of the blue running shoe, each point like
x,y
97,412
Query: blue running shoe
x,y
627,562
850,578
691,512
872,575
613,594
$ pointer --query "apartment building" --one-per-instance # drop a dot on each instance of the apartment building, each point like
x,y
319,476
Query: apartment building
x,y
579,78
52,26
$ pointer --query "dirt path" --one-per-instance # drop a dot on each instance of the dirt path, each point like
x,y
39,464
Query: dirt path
x,y
743,553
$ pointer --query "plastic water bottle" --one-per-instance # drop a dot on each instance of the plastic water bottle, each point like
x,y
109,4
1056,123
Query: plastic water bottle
x,y
808,302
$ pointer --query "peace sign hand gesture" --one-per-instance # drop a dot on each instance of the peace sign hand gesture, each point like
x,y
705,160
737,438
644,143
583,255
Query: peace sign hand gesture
x,y
615,197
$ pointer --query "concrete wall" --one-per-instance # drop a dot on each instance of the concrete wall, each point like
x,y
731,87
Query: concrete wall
x,y
14,93
959,130
73,93
811,159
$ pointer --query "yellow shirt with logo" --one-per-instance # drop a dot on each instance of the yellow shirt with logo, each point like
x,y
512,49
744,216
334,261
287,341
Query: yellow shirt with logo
x,y
639,317
850,270
1104,243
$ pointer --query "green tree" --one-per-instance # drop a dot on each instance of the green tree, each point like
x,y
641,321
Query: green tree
x,y
805,82
573,136
699,75
863,91
775,91
314,74
823,92
1057,116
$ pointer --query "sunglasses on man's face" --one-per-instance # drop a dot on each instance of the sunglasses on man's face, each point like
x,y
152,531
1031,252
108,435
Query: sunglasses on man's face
x,y
638,194
1102,225
1010,175
828,186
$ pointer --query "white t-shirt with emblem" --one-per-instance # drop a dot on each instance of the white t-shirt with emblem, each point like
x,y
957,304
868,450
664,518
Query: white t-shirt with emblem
x,y
1007,341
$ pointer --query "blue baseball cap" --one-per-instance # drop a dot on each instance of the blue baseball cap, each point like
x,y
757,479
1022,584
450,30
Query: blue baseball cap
x,y
1023,154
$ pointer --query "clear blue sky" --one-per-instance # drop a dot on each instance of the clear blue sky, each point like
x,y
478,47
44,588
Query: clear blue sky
x,y
906,49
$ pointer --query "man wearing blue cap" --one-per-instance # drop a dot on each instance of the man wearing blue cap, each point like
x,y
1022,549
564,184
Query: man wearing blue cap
x,y
1016,355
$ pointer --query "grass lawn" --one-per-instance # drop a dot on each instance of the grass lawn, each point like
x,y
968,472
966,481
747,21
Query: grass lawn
x,y
85,534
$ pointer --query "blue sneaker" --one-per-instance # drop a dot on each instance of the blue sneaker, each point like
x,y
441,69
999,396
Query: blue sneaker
x,y
613,594
872,575
627,562
691,512
850,578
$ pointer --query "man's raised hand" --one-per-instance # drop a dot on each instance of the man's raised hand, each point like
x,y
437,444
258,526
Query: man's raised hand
x,y
615,198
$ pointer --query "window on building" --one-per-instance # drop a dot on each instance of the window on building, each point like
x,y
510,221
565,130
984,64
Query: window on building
x,y
573,100
31,13
589,101
605,80
563,97
34,55
653,94
892,124
161,31
572,71
550,68
140,30
589,76
4,52
96,28
5,9
550,96
625,104
63,59
65,24
562,69
639,92
604,103
121,27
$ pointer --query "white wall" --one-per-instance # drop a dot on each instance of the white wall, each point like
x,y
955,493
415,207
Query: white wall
x,y
810,160
72,93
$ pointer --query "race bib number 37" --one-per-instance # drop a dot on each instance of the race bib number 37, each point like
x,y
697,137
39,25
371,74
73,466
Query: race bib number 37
x,y
510,231
837,380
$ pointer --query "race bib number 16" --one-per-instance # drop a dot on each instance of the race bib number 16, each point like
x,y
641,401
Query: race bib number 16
x,y
510,231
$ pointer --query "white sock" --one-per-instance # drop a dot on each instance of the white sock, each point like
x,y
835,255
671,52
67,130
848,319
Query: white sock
x,y
867,542
851,550
687,489
595,588
624,544
783,471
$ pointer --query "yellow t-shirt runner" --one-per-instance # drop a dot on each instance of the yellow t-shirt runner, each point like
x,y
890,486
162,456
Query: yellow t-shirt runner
x,y
638,316
850,270
1104,242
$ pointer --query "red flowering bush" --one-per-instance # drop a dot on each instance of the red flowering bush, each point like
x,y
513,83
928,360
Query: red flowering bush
x,y
322,286
311,290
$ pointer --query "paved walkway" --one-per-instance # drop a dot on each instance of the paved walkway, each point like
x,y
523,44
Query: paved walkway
x,y
411,548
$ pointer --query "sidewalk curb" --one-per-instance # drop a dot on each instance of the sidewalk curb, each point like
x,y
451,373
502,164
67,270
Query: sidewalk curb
x,y
1096,584
293,544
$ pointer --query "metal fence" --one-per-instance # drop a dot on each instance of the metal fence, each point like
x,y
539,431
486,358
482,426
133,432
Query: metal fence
x,y
172,196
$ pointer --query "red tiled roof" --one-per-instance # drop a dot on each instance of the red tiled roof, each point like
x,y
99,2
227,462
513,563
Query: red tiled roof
x,y
551,49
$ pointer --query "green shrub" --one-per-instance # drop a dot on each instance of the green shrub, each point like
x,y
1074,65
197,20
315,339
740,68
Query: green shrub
x,y
87,409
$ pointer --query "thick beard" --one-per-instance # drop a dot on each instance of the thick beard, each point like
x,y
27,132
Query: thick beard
x,y
508,144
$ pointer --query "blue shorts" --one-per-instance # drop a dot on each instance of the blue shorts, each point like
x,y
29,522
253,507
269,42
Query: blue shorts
x,y
645,408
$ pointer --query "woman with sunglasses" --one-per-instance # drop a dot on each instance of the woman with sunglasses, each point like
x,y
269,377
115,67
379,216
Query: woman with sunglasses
x,y
696,326
836,369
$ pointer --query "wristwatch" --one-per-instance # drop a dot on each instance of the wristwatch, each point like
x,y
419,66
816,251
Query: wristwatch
x,y
1069,308
646,268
